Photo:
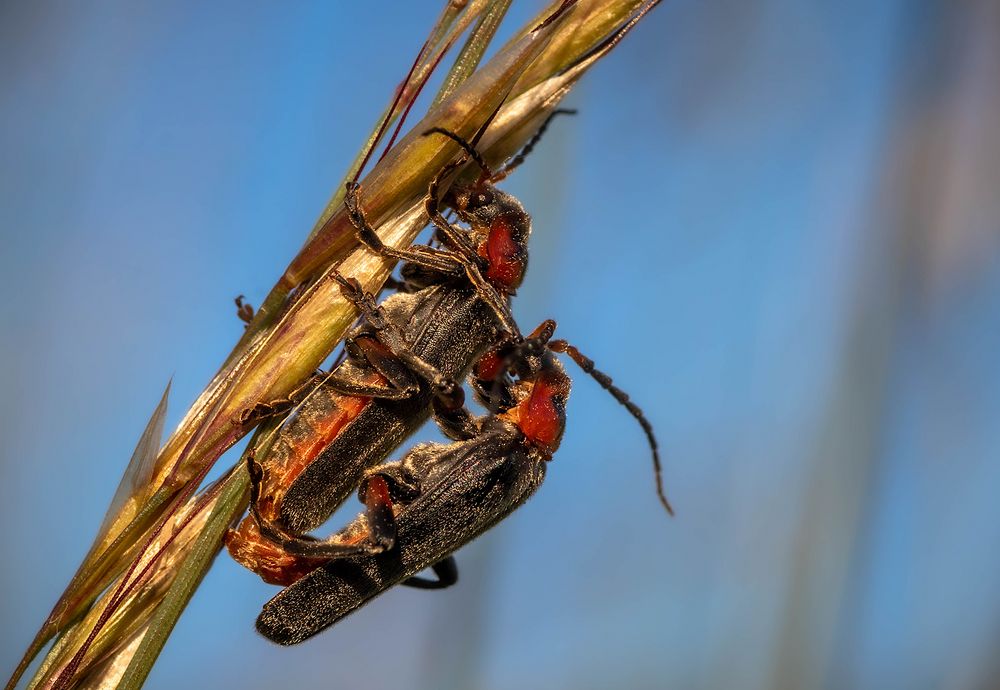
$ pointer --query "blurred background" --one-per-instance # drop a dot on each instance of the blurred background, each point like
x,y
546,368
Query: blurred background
x,y
775,223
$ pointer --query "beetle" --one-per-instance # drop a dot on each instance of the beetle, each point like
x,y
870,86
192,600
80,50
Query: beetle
x,y
402,365
442,496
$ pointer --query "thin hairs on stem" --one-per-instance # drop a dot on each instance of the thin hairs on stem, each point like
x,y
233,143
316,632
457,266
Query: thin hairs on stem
x,y
420,87
555,15
621,396
392,109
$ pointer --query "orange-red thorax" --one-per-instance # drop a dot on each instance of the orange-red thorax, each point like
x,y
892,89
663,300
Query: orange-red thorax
x,y
504,251
540,412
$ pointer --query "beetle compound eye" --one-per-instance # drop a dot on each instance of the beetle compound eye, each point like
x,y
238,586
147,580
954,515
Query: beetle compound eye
x,y
479,200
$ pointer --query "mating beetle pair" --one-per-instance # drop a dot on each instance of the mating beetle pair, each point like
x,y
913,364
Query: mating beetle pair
x,y
402,365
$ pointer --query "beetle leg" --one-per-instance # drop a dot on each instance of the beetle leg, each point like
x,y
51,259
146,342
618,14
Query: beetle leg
x,y
453,235
375,534
401,383
244,310
271,408
489,294
398,285
445,262
463,259
457,424
446,571
446,389
378,508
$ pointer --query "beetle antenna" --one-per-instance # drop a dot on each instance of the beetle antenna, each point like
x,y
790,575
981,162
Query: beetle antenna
x,y
530,146
466,146
621,396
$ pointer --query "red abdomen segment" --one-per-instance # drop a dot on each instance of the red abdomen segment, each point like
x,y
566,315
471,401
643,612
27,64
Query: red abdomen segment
x,y
249,548
303,437
256,553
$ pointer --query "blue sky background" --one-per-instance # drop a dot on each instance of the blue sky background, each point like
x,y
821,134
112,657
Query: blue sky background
x,y
775,224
